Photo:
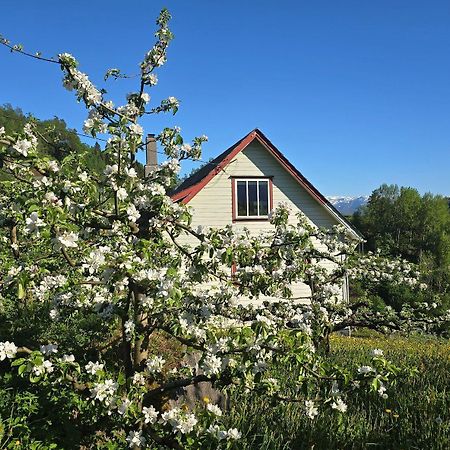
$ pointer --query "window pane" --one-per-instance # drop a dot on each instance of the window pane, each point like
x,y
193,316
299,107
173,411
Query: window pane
x,y
241,198
263,198
252,199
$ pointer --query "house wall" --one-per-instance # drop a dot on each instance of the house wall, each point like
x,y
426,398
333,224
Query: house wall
x,y
212,206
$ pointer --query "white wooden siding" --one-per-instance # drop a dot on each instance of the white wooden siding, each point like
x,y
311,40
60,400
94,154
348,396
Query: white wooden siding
x,y
212,206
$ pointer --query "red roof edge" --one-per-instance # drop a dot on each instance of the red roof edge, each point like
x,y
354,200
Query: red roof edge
x,y
289,167
188,194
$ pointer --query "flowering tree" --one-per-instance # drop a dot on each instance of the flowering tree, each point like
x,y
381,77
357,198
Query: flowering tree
x,y
96,261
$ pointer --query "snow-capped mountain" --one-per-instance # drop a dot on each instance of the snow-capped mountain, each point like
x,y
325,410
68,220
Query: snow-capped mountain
x,y
348,205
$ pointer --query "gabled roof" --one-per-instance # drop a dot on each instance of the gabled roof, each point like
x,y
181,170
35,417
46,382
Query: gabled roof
x,y
196,182
203,172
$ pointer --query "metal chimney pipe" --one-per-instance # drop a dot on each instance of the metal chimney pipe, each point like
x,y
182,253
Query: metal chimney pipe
x,y
151,161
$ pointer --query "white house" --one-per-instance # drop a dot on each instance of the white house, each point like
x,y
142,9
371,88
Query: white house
x,y
245,182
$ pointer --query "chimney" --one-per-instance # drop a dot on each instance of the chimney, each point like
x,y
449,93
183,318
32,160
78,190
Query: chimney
x,y
151,161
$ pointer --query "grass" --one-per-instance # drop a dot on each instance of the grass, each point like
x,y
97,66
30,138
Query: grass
x,y
415,416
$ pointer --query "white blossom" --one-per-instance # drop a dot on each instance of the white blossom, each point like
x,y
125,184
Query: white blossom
x,y
14,271
104,391
263,319
129,329
172,102
382,391
68,239
7,350
150,414
146,302
152,79
122,193
51,198
96,259
41,369
135,439
215,431
93,367
311,409
33,223
53,166
139,379
155,364
186,424
214,409
111,170
365,369
48,349
22,146
133,213
211,365
136,129
94,123
339,405
181,422
79,81
234,434
130,172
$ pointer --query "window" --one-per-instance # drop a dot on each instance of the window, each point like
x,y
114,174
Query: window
x,y
252,198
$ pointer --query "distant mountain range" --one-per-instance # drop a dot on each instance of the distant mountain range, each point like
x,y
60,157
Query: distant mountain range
x,y
348,205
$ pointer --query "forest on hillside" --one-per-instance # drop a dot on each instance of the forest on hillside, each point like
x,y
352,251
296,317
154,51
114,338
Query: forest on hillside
x,y
55,139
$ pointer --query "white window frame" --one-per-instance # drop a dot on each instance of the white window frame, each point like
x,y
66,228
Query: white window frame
x,y
236,206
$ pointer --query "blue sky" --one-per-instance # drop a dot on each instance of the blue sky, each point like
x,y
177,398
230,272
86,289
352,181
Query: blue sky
x,y
354,93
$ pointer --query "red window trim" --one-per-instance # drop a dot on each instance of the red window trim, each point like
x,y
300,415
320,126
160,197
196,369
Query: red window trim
x,y
235,218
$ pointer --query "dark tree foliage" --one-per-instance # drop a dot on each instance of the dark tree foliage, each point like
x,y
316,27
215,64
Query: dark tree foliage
x,y
55,138
398,221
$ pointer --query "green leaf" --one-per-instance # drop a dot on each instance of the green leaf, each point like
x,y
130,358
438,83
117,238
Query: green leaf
x,y
21,292
34,379
18,362
121,380
375,384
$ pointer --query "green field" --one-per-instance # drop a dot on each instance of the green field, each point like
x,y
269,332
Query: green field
x,y
416,415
